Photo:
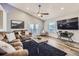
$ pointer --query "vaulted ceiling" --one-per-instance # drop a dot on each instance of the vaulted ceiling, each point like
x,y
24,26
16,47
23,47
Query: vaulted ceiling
x,y
54,9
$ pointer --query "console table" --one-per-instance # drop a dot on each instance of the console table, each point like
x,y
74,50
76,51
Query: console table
x,y
65,34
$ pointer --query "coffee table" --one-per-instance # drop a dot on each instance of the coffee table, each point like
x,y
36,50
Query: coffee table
x,y
39,40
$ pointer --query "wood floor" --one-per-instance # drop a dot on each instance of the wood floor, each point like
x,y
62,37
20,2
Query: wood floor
x,y
72,49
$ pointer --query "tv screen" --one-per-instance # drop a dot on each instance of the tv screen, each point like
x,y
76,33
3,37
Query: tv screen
x,y
17,24
69,24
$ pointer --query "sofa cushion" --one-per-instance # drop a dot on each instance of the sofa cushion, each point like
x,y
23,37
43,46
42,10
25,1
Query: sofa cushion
x,y
18,47
16,40
1,37
6,47
21,52
2,52
16,44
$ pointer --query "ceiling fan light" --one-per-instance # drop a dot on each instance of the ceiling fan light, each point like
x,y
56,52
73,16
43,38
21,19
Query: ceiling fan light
x,y
39,14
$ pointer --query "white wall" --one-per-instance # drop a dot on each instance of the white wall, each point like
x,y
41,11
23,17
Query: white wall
x,y
67,16
3,19
15,14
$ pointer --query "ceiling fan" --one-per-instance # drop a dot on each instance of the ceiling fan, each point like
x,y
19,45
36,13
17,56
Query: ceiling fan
x,y
41,14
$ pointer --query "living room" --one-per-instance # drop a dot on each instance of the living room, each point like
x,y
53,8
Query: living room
x,y
33,30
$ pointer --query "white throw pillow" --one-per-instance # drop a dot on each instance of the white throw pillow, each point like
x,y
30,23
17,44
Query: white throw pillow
x,y
6,47
10,36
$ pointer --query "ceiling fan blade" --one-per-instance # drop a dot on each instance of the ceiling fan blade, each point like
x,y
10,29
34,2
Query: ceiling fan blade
x,y
45,13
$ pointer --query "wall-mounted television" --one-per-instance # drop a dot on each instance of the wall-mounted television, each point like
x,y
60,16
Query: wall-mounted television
x,y
68,24
17,24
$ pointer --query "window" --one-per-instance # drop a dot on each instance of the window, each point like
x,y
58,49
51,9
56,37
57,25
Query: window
x,y
34,28
37,28
31,28
52,27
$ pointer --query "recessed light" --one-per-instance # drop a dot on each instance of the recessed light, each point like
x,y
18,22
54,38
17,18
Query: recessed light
x,y
27,8
14,16
62,8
